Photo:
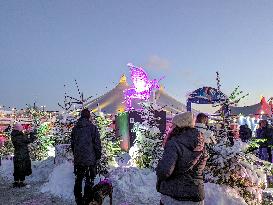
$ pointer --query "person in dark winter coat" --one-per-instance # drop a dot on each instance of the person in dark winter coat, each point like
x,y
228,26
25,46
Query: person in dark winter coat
x,y
265,132
263,155
21,160
245,133
180,171
86,148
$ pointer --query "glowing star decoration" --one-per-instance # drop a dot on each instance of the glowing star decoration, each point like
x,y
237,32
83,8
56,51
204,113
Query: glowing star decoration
x,y
142,87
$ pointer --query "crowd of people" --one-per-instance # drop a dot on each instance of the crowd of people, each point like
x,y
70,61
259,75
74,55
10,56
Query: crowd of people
x,y
179,172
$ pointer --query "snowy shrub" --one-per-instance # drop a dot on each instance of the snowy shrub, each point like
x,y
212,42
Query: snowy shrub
x,y
148,145
62,129
40,147
109,142
233,167
7,148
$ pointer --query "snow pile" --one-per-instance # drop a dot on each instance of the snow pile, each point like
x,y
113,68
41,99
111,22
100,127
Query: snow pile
x,y
133,186
216,194
6,169
61,181
40,170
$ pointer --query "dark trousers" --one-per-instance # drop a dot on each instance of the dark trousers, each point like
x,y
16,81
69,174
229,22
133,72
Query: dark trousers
x,y
22,168
88,173
269,151
19,177
265,153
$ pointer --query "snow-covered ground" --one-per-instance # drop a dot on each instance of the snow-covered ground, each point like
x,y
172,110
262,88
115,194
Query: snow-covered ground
x,y
132,186
40,170
32,196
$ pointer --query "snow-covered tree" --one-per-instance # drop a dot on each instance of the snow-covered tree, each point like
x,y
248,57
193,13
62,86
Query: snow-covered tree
x,y
40,147
63,127
109,142
7,147
231,163
234,167
45,140
148,145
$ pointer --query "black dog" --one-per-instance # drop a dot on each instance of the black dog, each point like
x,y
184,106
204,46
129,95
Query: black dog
x,y
101,190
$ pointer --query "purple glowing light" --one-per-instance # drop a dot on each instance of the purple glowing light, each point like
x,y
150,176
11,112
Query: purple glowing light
x,y
142,87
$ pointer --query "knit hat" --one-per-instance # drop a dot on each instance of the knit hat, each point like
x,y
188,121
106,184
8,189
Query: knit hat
x,y
18,127
185,119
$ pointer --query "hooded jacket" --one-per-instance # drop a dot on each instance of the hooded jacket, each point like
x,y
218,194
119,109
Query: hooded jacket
x,y
22,162
265,133
20,142
85,143
180,171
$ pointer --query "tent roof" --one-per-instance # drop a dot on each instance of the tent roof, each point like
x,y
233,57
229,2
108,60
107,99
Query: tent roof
x,y
257,109
113,101
247,110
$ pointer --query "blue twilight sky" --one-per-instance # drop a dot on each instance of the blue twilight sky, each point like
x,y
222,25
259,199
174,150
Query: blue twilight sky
x,y
46,44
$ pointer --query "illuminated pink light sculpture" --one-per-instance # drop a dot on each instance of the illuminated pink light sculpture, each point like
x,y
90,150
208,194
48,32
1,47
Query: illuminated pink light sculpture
x,y
142,87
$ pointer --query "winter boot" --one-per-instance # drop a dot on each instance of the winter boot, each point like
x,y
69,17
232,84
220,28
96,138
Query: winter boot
x,y
22,184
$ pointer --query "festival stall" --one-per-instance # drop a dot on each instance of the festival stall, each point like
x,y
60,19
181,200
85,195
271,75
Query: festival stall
x,y
250,115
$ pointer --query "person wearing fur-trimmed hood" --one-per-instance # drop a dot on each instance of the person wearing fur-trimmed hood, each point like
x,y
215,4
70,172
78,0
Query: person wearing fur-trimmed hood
x,y
180,171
